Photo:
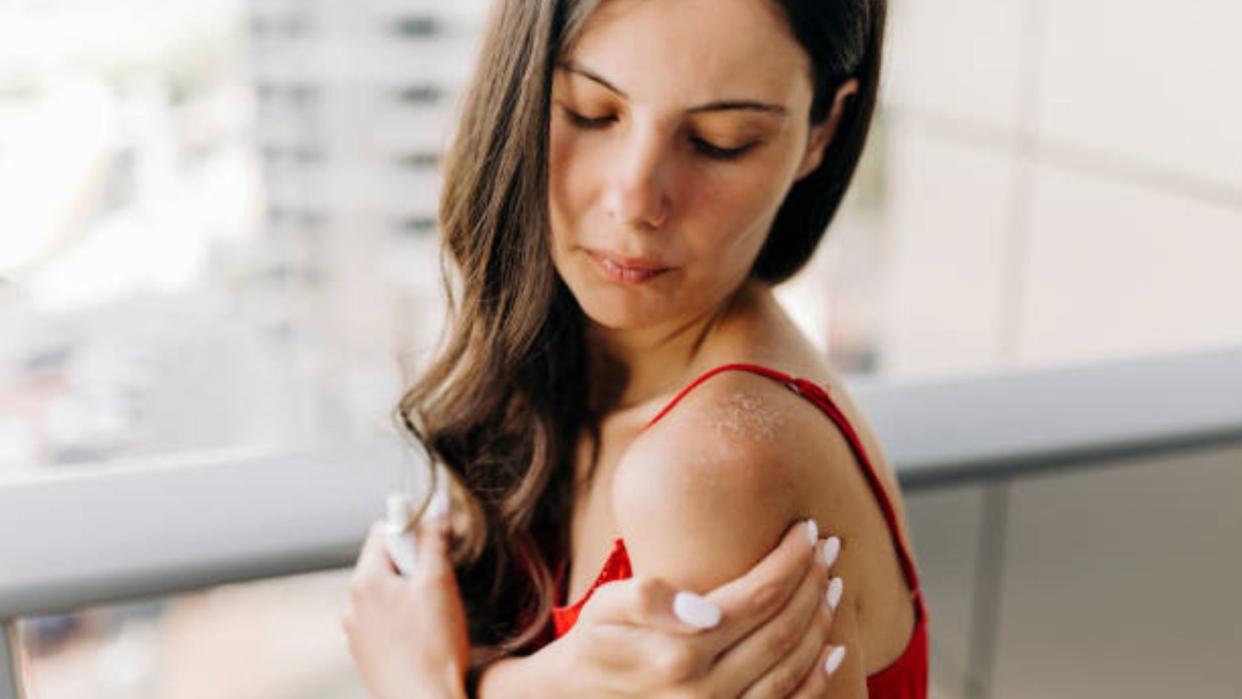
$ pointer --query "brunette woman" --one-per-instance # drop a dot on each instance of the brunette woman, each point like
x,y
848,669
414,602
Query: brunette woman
x,y
625,410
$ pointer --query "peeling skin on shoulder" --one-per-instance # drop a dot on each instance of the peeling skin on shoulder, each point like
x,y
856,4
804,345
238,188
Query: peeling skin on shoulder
x,y
730,430
745,415
742,416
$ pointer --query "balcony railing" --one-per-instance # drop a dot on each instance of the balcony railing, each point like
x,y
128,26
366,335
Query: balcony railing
x,y
153,527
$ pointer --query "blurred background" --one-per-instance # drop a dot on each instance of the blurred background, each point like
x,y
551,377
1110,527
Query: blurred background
x,y
218,230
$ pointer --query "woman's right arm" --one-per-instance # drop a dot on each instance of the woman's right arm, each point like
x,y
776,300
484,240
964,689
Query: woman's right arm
x,y
520,677
773,624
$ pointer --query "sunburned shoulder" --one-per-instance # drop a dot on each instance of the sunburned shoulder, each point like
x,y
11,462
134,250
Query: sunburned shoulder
x,y
705,492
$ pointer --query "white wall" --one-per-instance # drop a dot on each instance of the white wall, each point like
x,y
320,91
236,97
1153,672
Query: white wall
x,y
1065,181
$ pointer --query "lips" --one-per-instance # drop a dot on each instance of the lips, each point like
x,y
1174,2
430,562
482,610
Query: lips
x,y
631,270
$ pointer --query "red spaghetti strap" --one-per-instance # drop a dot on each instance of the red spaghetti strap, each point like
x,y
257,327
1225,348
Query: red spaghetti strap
x,y
817,395
821,398
905,677
753,368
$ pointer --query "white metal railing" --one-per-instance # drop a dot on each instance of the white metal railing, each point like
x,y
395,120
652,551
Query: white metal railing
x,y
154,527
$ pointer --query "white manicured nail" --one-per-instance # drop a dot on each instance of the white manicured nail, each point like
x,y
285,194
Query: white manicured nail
x,y
696,610
812,532
438,507
834,659
832,547
836,587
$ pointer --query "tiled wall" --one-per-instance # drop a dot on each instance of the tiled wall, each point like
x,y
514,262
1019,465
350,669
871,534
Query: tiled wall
x,y
1064,181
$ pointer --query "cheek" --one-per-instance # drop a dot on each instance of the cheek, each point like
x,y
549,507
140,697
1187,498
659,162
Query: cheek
x,y
723,211
732,210
575,162
570,184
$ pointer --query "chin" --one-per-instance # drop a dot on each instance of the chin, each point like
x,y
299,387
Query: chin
x,y
610,311
620,307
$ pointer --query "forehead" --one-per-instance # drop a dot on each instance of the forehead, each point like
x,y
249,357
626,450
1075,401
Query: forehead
x,y
683,52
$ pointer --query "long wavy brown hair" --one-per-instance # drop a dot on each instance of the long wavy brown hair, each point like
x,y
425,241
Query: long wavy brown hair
x,y
504,402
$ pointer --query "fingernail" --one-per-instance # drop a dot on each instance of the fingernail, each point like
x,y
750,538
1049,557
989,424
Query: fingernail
x,y
398,511
438,507
836,587
812,532
696,610
834,659
832,547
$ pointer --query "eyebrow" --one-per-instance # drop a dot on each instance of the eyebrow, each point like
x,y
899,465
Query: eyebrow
x,y
721,106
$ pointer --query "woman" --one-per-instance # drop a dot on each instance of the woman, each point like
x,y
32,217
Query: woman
x,y
619,386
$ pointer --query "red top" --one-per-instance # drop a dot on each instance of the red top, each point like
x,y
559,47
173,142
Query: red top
x,y
906,677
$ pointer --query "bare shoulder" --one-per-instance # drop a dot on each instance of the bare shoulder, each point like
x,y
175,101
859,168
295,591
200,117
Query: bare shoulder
x,y
708,490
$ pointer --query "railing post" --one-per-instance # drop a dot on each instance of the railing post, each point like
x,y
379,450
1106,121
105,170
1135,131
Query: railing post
x,y
11,686
985,617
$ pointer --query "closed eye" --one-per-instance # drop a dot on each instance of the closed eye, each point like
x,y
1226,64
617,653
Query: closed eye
x,y
713,151
707,148
586,122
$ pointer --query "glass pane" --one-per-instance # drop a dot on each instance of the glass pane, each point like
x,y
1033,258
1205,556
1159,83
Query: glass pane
x,y
218,234
205,242
264,640
1051,202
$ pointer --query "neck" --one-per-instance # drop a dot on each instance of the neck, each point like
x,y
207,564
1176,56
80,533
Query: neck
x,y
631,366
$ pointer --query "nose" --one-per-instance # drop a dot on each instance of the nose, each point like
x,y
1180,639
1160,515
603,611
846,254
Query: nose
x,y
638,195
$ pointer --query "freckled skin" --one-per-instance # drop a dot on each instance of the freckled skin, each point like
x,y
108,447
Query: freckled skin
x,y
738,421
745,415
740,418
639,187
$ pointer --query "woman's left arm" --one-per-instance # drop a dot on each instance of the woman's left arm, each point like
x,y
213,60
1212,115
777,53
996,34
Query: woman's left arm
x,y
706,492
408,636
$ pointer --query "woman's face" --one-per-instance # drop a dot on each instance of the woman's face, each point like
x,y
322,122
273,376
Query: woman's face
x,y
677,128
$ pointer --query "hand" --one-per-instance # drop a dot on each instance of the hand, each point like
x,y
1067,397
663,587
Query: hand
x,y
772,639
408,636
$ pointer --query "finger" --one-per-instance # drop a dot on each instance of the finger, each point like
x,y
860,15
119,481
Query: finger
x,y
757,660
757,595
829,550
792,671
848,669
825,667
614,651
801,672
373,560
651,603
432,536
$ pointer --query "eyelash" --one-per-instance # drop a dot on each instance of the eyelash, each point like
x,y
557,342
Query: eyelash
x,y
702,146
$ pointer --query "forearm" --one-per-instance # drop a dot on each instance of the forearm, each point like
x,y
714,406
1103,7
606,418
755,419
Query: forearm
x,y
519,677
454,688
423,684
